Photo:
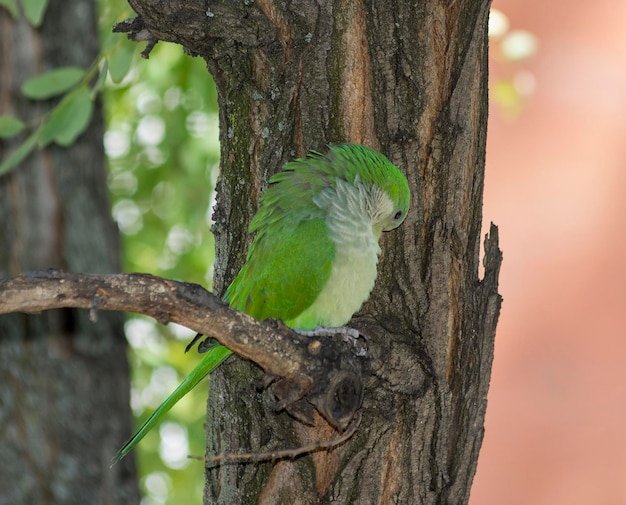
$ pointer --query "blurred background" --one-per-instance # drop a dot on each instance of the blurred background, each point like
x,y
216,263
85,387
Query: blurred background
x,y
162,149
555,186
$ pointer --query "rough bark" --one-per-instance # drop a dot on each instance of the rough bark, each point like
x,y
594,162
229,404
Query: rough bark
x,y
409,79
64,395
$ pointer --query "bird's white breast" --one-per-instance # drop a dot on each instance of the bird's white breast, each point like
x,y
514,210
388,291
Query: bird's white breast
x,y
352,277
351,281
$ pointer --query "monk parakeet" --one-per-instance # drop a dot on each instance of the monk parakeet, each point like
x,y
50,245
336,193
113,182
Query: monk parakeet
x,y
313,258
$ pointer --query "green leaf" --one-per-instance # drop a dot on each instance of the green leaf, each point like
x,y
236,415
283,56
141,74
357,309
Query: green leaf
x,y
19,154
120,60
102,76
10,126
52,83
34,10
11,6
68,120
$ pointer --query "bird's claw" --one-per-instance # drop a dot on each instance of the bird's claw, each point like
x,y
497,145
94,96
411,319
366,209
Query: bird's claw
x,y
351,336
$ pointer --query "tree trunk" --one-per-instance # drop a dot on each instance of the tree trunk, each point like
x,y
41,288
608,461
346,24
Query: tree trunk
x,y
64,400
409,79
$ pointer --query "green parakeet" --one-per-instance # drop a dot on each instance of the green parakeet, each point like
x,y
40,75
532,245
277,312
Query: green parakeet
x,y
313,259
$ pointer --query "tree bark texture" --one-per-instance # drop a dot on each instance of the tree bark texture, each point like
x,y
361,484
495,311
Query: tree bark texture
x,y
64,381
409,79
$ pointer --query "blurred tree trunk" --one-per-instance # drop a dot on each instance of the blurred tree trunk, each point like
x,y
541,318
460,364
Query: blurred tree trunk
x,y
409,79
64,394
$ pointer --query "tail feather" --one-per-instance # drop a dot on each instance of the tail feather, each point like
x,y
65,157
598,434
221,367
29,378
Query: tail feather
x,y
208,363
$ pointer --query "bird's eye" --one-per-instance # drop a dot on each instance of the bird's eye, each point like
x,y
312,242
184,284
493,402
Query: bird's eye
x,y
397,215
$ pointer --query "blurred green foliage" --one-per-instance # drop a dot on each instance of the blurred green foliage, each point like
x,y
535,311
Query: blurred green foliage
x,y
162,147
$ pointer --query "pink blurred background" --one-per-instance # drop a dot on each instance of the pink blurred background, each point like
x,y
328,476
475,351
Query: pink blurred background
x,y
556,186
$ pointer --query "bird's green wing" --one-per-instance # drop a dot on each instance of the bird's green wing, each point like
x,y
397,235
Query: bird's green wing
x,y
287,267
209,361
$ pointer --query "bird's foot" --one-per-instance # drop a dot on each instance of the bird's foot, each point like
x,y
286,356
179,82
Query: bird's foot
x,y
206,345
351,336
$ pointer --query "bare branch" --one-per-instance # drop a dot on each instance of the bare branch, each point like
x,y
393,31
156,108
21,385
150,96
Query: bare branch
x,y
321,368
319,445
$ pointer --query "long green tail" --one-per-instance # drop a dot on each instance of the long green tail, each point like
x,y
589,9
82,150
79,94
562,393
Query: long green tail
x,y
209,361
